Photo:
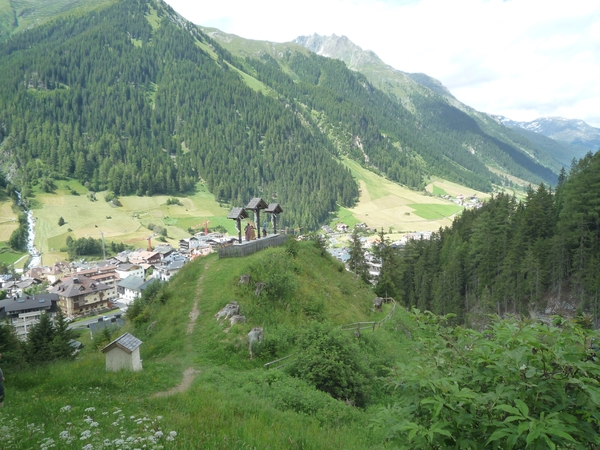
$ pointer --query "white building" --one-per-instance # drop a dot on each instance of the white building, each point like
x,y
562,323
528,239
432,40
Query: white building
x,y
126,270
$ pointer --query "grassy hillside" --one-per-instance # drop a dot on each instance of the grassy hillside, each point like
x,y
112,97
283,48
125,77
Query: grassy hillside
x,y
127,223
229,401
383,203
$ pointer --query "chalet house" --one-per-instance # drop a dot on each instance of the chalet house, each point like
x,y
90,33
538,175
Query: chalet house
x,y
126,270
129,288
164,272
110,279
132,287
144,256
188,244
78,294
165,250
123,354
342,227
23,312
56,271
51,273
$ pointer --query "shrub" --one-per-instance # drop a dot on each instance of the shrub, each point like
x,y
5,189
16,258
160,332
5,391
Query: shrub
x,y
276,270
291,246
330,361
515,385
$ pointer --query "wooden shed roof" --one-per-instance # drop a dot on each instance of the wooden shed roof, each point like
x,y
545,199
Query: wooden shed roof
x,y
238,213
127,342
256,203
274,208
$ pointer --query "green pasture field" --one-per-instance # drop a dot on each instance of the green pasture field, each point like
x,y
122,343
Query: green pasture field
x,y
434,211
436,190
9,257
385,204
8,217
127,223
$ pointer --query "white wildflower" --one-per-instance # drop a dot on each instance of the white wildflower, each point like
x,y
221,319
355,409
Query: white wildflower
x,y
173,433
90,409
64,434
65,408
158,434
85,435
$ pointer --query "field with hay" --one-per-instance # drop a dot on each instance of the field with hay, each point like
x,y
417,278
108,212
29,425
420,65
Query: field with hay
x,y
128,223
384,204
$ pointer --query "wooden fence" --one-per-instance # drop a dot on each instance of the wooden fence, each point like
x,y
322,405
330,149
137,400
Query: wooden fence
x,y
247,248
365,325
269,364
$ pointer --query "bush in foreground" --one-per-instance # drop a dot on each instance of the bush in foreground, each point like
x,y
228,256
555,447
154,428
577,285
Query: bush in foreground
x,y
515,385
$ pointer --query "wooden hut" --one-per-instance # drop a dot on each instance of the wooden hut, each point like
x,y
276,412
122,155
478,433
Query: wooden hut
x,y
256,204
123,354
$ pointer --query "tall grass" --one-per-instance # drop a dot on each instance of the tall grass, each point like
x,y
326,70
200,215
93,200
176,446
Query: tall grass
x,y
233,402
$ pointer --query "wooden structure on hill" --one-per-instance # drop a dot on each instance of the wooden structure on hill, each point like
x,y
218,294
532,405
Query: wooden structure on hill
x,y
238,214
274,209
250,244
256,204
123,354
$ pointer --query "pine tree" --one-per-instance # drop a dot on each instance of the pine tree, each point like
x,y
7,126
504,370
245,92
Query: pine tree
x,y
40,339
357,262
61,349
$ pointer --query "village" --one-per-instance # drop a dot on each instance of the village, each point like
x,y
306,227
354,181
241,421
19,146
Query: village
x,y
86,289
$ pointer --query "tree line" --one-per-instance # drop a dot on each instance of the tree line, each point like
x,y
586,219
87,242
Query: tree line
x,y
509,256
47,340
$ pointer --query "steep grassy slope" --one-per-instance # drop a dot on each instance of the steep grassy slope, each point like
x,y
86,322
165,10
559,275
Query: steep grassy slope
x,y
232,402
19,15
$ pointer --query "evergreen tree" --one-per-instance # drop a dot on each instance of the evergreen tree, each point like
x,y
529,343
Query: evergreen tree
x,y
10,347
61,349
40,341
357,262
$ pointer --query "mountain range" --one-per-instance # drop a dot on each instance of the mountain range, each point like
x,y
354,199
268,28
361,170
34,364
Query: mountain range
x,y
130,97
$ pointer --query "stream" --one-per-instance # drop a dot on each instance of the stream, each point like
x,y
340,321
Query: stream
x,y
35,256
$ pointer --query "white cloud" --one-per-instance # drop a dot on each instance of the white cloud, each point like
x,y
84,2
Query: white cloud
x,y
519,58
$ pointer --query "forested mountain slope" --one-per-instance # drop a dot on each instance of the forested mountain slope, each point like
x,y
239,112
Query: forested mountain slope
x,y
508,256
134,99
433,104
19,15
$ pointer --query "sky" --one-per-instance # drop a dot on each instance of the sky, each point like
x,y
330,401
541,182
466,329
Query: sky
x,y
522,59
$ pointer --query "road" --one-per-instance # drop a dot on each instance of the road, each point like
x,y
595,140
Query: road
x,y
84,323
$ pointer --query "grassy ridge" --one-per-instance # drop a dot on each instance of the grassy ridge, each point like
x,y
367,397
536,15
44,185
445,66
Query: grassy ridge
x,y
232,402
